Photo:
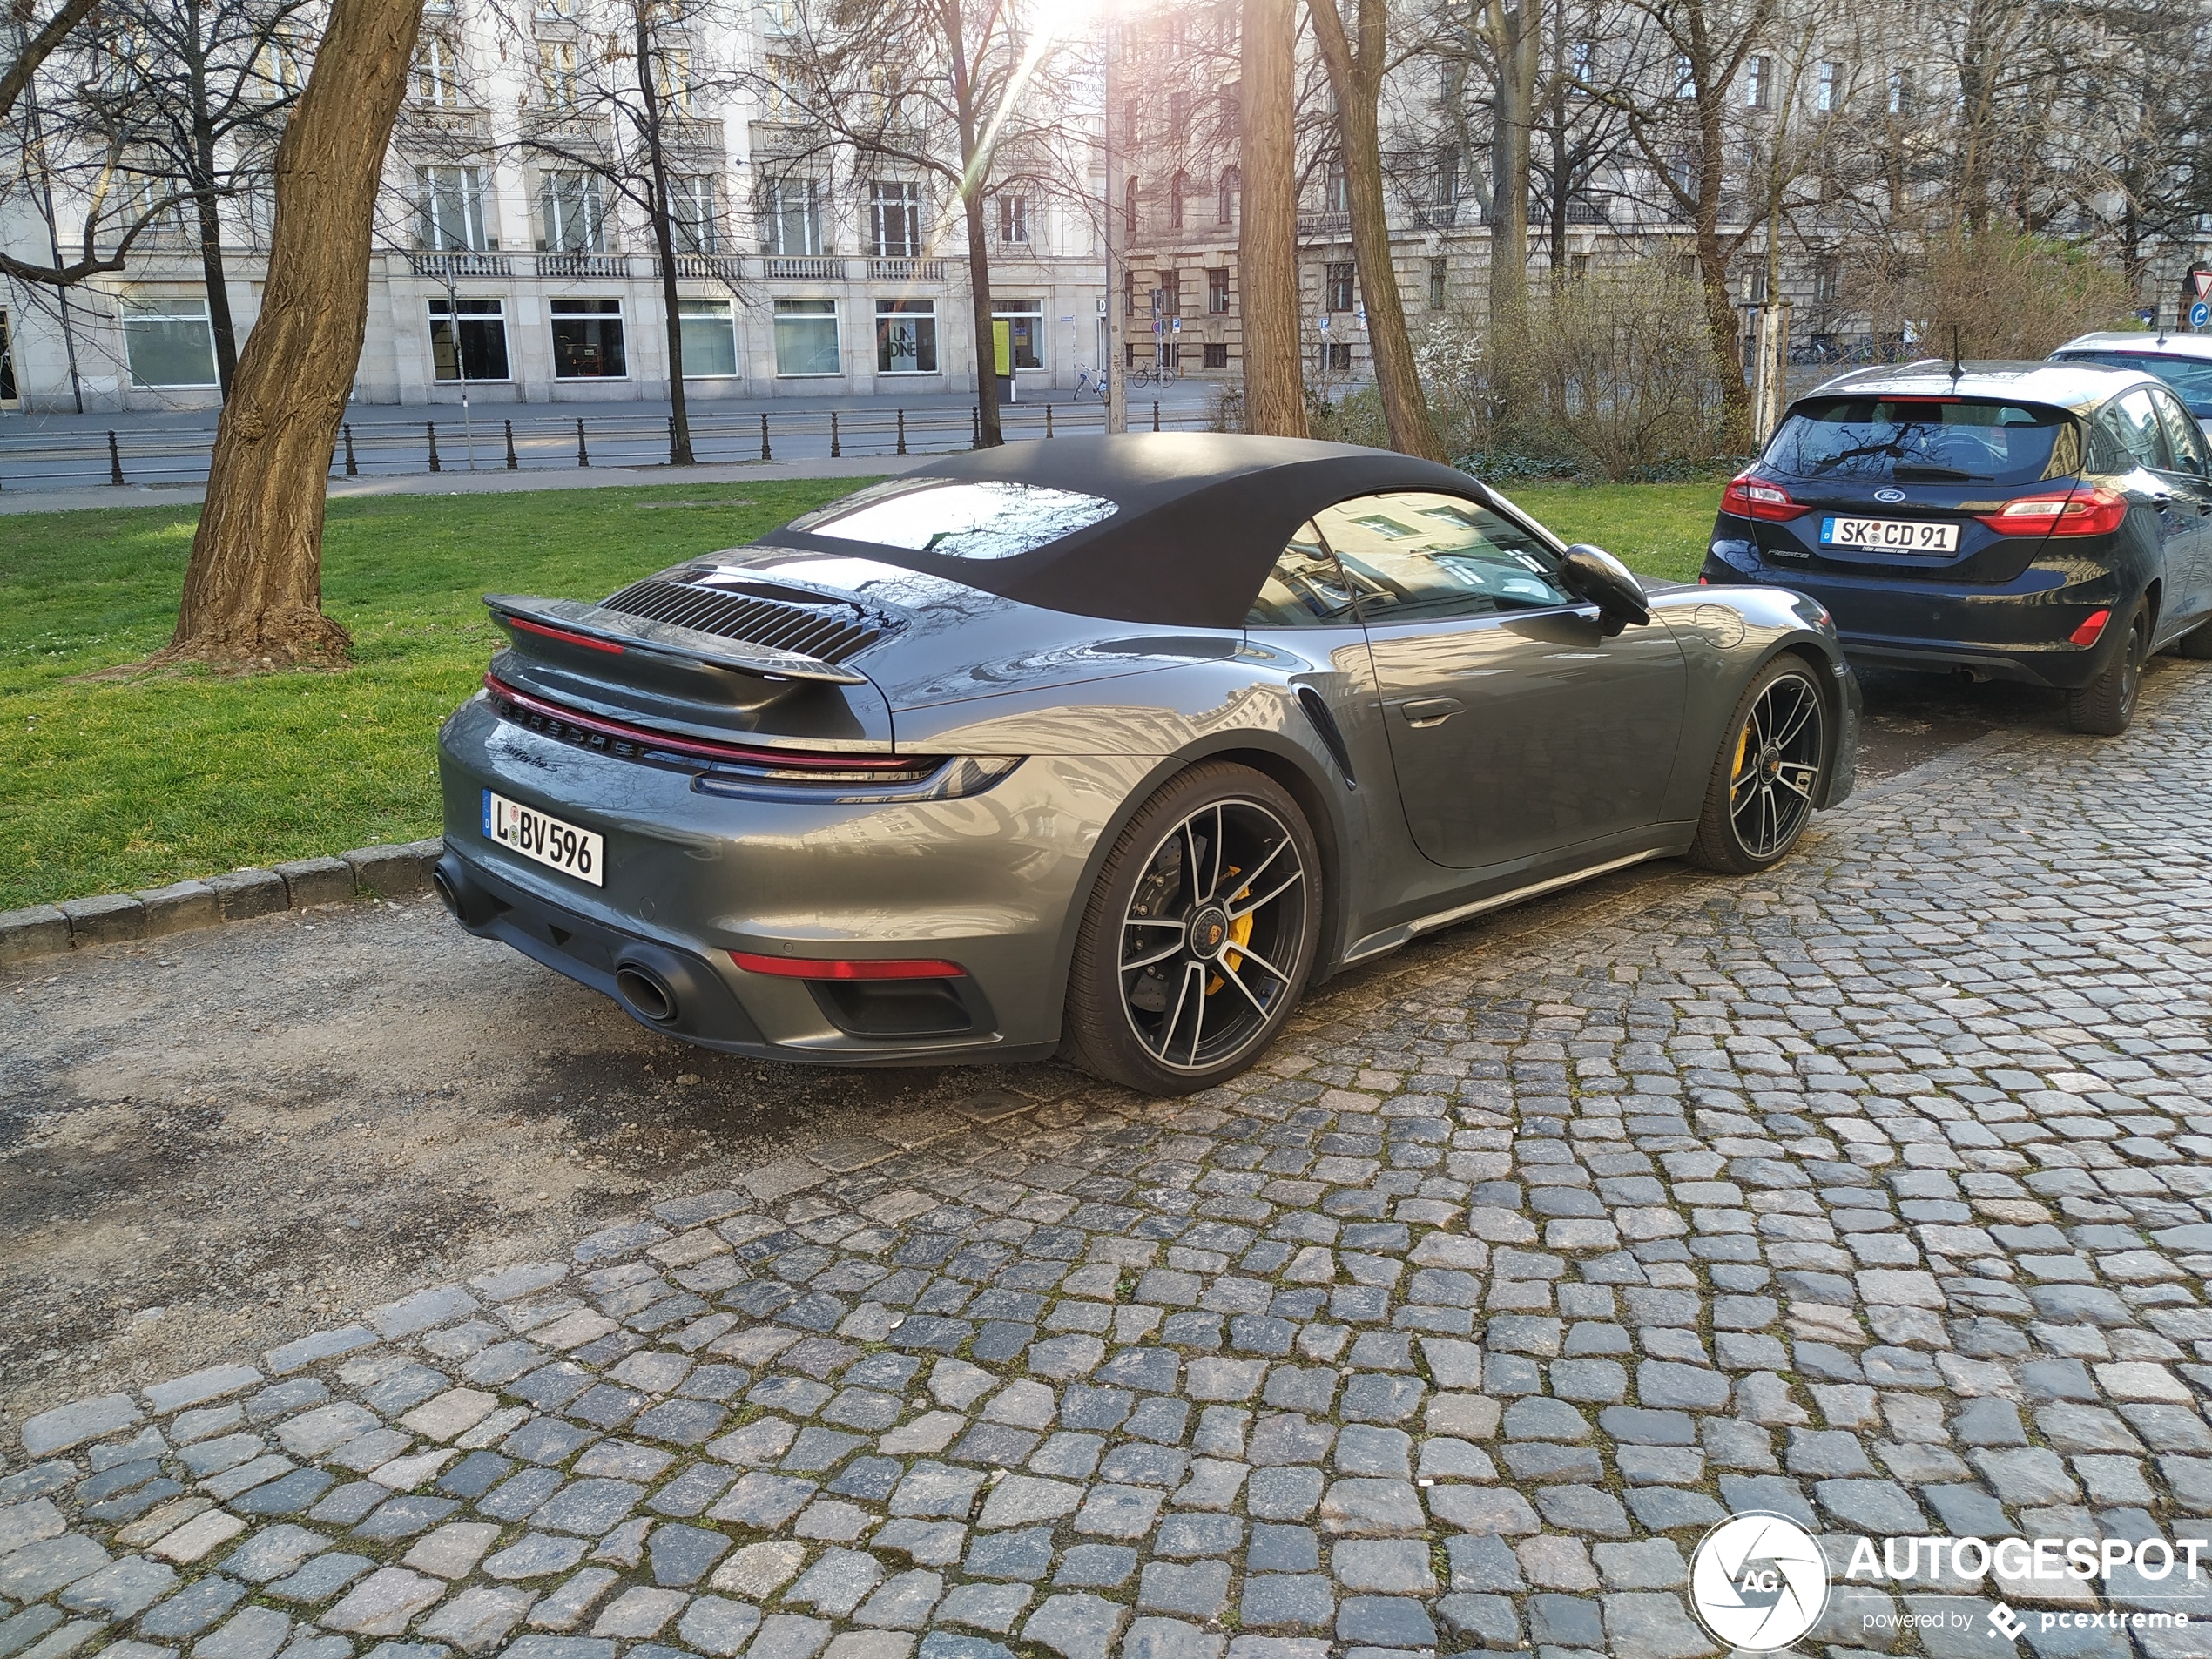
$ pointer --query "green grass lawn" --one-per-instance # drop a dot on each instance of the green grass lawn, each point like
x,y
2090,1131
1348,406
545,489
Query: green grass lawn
x,y
108,786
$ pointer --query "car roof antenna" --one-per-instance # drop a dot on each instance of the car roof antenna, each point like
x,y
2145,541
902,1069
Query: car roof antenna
x,y
1957,367
2161,340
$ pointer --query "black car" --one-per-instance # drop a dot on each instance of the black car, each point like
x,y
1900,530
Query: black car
x,y
2050,522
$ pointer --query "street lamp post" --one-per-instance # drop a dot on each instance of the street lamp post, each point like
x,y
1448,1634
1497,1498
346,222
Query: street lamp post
x,y
1115,379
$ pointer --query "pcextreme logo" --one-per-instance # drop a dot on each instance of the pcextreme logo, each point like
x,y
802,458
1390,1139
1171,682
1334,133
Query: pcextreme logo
x,y
1759,1581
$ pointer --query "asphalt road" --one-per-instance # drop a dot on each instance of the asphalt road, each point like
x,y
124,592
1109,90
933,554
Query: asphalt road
x,y
211,1141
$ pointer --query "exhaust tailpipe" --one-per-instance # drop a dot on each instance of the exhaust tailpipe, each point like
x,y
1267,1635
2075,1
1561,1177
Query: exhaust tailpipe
x,y
645,993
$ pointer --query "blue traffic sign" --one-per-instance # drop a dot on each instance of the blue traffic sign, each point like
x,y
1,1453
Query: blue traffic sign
x,y
2199,313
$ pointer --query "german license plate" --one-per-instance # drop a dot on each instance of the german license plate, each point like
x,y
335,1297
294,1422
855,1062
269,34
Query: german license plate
x,y
545,840
1889,535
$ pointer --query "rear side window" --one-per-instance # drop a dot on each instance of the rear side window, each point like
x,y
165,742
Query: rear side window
x,y
1306,589
1934,440
2132,419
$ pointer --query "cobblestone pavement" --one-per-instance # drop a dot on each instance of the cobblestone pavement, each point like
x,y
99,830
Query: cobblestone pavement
x,y
1874,1192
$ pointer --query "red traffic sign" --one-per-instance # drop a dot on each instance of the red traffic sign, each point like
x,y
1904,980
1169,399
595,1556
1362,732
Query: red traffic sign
x,y
2203,281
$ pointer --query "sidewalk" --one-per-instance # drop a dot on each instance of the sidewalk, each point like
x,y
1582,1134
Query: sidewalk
x,y
474,483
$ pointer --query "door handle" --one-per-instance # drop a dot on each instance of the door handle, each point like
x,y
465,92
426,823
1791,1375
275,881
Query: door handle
x,y
1430,710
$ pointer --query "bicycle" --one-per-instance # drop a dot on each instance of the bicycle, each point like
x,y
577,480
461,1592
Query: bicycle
x,y
1087,386
1153,374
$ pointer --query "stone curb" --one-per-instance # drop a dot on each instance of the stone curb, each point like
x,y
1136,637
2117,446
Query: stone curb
x,y
117,918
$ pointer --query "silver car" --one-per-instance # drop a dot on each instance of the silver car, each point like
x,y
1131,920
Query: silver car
x,y
1109,748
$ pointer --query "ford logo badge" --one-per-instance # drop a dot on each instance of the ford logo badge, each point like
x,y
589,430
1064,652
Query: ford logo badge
x,y
1889,494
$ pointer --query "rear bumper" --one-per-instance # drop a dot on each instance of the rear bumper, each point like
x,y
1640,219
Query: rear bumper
x,y
987,882
2014,631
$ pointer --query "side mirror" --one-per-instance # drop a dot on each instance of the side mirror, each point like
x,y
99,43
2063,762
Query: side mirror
x,y
1592,573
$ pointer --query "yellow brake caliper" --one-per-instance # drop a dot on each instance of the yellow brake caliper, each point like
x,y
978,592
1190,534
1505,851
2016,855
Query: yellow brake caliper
x,y
1736,773
1240,932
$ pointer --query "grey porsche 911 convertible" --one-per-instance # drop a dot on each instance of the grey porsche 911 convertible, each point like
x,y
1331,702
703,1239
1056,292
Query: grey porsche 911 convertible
x,y
1108,748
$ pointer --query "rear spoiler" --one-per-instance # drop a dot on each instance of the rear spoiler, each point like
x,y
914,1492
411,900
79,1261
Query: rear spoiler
x,y
596,628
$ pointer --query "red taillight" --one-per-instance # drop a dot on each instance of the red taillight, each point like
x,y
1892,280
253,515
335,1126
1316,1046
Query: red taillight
x,y
1749,497
2087,633
843,968
565,637
2094,511
736,753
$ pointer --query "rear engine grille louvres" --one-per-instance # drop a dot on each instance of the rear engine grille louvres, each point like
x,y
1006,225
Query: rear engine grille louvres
x,y
829,632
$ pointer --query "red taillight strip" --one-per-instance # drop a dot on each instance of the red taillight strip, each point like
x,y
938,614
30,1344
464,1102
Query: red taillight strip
x,y
565,636
731,752
845,969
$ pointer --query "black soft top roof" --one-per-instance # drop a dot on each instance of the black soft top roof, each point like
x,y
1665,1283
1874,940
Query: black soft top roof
x,y
1202,518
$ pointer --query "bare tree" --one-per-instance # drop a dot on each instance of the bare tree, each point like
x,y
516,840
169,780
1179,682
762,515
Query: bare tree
x,y
1267,231
185,99
962,92
33,46
1356,70
254,588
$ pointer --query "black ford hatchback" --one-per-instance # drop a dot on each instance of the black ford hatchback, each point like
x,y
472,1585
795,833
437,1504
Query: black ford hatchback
x,y
2050,522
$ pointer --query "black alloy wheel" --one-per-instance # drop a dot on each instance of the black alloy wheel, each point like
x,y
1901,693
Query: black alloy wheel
x,y
1198,941
1769,773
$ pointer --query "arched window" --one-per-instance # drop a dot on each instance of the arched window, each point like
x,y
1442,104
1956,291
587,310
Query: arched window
x,y
1175,186
1128,206
1224,211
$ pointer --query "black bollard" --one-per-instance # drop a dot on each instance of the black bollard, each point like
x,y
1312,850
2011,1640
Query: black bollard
x,y
902,432
114,461
764,455
431,427
583,454
511,462
352,466
1156,415
836,450
1048,419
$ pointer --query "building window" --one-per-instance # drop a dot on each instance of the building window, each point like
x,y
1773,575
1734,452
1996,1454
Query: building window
x,y
894,219
1446,187
1685,76
805,338
169,342
905,336
574,213
437,75
1167,294
1340,355
1216,356
1025,327
481,353
1014,218
1436,274
1132,124
1826,281
1175,188
677,80
1824,88
1583,63
1224,209
587,341
1338,188
692,216
1901,91
794,218
450,203
1758,81
708,336
1128,293
557,73
1217,292
1337,290
1128,206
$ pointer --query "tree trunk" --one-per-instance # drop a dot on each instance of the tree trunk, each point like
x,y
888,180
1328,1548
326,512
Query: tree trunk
x,y
253,589
1267,238
1712,256
973,172
1358,83
679,417
1515,39
206,203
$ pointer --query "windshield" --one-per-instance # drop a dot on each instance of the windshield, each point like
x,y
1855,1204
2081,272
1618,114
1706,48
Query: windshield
x,y
1931,440
2190,376
977,521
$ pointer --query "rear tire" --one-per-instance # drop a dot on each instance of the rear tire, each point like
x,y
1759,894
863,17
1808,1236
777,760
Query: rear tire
x,y
2196,644
2105,707
1198,938
1771,767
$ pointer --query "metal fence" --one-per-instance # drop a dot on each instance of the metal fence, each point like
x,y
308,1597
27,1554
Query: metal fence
x,y
384,448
